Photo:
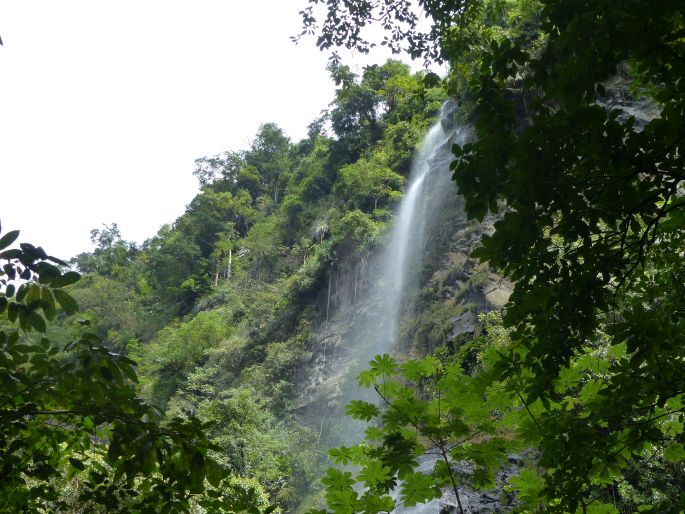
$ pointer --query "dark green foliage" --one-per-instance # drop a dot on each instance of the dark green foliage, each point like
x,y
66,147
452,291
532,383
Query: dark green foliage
x,y
429,407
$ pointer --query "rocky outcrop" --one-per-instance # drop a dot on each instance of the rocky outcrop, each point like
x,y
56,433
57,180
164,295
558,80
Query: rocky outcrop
x,y
473,501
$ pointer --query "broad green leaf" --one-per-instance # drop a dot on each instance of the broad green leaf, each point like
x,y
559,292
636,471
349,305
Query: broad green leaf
x,y
8,239
66,301
338,480
600,508
674,452
366,378
374,473
340,455
384,364
213,472
70,277
528,485
418,488
359,409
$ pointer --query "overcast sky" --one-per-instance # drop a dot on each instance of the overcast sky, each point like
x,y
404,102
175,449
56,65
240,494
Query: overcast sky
x,y
104,106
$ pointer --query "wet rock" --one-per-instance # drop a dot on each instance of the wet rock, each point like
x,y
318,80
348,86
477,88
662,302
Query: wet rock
x,y
465,323
497,500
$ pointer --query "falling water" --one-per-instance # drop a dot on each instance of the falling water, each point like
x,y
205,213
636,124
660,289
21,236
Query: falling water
x,y
404,248
395,277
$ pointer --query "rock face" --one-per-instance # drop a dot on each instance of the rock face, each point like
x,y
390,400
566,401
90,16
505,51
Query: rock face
x,y
497,500
444,311
484,502
452,291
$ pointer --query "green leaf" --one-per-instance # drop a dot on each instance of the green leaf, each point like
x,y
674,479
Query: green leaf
x,y
418,488
366,378
342,502
341,455
37,322
215,474
674,452
66,301
22,291
528,485
70,277
359,409
601,508
77,464
8,239
338,480
375,472
14,253
384,364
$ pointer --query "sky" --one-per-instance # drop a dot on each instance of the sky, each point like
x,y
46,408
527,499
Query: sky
x,y
104,105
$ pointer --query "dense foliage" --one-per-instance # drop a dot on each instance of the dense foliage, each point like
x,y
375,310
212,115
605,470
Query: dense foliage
x,y
73,434
582,372
591,226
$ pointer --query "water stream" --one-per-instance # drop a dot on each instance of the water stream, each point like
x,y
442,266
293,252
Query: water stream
x,y
397,268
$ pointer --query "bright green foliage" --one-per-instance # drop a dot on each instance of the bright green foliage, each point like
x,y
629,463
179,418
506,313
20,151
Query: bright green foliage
x,y
528,486
365,107
72,413
116,315
270,156
176,350
429,407
365,183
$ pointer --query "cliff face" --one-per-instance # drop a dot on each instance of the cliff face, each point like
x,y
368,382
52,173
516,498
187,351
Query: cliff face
x,y
443,311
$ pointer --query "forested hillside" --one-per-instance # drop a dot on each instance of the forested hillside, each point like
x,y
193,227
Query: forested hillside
x,y
216,309
536,364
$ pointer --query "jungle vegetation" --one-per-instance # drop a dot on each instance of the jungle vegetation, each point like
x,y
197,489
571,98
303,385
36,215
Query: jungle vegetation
x,y
161,377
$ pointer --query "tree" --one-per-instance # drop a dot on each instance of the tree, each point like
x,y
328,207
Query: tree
x,y
111,255
220,172
269,154
71,413
366,182
592,214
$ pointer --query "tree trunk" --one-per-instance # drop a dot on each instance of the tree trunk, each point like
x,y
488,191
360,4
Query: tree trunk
x,y
230,263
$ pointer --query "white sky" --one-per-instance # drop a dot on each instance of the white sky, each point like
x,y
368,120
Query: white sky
x,y
105,105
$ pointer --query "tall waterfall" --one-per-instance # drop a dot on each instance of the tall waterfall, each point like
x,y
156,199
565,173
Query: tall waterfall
x,y
394,277
398,265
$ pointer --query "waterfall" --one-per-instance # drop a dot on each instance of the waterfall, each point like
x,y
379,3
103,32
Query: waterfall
x,y
405,246
394,277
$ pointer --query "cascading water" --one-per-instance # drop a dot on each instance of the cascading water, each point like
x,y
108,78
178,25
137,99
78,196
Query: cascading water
x,y
395,276
430,188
